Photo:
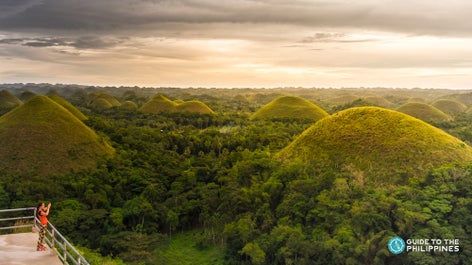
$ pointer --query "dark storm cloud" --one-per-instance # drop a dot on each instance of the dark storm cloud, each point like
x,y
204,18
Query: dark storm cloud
x,y
412,17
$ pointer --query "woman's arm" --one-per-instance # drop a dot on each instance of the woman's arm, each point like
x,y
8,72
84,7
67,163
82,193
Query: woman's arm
x,y
47,209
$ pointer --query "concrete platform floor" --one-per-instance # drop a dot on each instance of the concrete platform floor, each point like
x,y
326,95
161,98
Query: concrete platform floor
x,y
20,249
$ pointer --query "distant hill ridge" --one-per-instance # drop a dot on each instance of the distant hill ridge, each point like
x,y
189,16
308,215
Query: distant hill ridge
x,y
424,112
379,101
290,107
376,145
8,101
101,100
450,106
43,137
161,104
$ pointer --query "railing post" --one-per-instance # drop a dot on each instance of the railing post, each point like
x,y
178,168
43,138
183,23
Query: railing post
x,y
52,238
65,252
35,212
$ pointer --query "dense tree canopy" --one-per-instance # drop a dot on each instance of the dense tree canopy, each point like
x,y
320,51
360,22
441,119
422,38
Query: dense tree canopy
x,y
216,174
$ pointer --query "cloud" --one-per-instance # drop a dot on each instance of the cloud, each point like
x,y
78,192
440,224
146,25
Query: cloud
x,y
419,17
11,41
323,37
13,7
93,42
85,42
273,42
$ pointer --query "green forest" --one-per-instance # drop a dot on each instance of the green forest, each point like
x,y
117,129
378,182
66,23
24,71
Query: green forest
x,y
222,186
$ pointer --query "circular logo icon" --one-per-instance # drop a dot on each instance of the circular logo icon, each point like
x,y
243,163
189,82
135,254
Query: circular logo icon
x,y
396,245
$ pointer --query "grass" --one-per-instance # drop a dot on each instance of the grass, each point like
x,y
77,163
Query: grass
x,y
66,104
290,107
379,101
129,105
377,144
43,137
183,250
342,100
160,104
424,112
100,103
193,106
103,101
450,106
465,98
8,101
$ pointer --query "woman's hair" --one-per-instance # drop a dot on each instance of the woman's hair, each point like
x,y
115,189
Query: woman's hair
x,y
38,207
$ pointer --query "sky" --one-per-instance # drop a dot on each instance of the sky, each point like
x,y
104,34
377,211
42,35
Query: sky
x,y
238,43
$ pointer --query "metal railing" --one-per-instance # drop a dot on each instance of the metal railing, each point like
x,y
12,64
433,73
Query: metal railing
x,y
54,239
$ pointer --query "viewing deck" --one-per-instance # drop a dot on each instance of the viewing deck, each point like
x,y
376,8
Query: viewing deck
x,y
16,249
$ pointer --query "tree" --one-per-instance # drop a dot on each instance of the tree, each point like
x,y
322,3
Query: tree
x,y
172,220
256,254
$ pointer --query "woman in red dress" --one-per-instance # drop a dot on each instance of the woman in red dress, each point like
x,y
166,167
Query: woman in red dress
x,y
42,213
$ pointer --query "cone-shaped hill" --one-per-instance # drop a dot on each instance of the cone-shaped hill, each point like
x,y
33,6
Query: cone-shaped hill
x,y
8,101
375,146
129,105
290,107
342,100
465,98
100,103
42,137
379,101
450,106
103,101
424,112
193,106
26,95
67,105
159,104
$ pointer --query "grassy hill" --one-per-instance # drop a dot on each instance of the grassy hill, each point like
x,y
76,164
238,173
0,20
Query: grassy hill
x,y
193,106
103,101
67,105
8,101
424,112
289,107
379,101
417,100
342,99
26,95
159,104
100,103
449,106
465,98
129,105
375,145
42,137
